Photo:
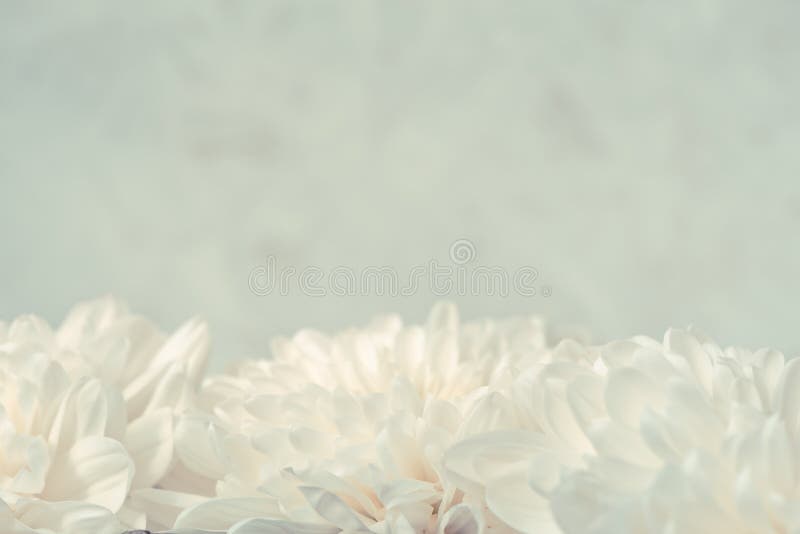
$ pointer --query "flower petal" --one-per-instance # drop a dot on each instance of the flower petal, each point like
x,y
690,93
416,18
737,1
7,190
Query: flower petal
x,y
149,442
68,517
95,470
332,508
222,514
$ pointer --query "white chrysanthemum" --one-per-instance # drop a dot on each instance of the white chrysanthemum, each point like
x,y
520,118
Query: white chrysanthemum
x,y
86,416
347,433
679,437
689,438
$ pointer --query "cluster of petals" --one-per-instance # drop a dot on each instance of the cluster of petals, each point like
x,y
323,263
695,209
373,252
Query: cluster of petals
x,y
348,433
641,436
107,424
87,416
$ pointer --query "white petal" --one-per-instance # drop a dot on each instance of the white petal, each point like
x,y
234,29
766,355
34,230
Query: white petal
x,y
585,398
332,508
441,347
614,440
198,443
278,526
508,454
174,391
399,493
544,471
95,470
68,517
32,454
311,442
690,417
442,317
517,504
409,517
788,397
188,345
131,517
563,422
355,497
163,506
149,442
86,319
460,463
461,519
686,345
656,434
89,409
245,463
779,455
9,523
399,452
181,479
619,353
493,411
222,514
30,328
628,393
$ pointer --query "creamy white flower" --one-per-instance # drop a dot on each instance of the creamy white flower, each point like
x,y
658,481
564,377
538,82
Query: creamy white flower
x,y
347,433
689,438
672,437
86,416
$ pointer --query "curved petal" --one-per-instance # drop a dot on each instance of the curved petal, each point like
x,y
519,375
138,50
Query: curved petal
x,y
68,517
149,442
32,454
89,409
461,519
280,526
163,506
199,445
222,514
512,500
332,508
189,345
96,470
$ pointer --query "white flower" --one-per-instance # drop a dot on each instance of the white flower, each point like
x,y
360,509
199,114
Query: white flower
x,y
347,433
672,437
689,438
86,416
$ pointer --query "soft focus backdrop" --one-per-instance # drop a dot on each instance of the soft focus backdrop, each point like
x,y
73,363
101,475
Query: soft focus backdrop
x,y
642,156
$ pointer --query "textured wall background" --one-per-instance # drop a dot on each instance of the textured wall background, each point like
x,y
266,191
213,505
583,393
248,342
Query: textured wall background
x,y
643,157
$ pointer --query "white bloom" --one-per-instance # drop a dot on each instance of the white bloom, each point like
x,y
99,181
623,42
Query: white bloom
x,y
86,416
689,438
672,437
347,433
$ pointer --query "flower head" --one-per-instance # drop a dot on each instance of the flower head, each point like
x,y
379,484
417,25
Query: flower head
x,y
641,436
347,433
86,415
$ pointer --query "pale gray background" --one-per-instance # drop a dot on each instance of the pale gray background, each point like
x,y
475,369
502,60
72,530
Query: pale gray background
x,y
642,155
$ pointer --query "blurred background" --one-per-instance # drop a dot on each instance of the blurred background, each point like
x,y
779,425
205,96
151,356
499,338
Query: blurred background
x,y
642,156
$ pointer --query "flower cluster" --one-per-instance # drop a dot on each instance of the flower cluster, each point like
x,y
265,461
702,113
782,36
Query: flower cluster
x,y
447,428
